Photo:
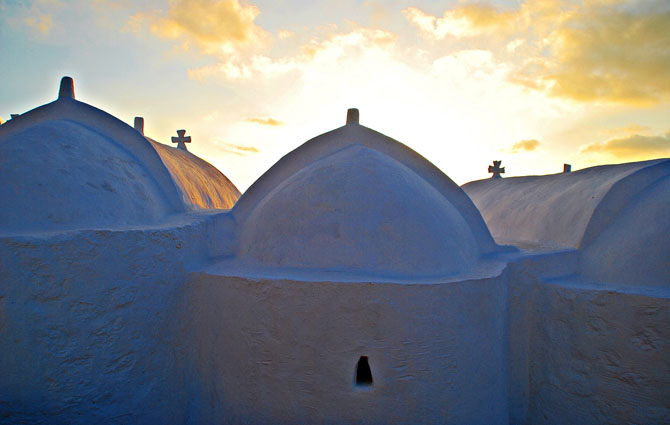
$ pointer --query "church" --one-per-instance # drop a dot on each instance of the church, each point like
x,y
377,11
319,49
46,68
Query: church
x,y
353,282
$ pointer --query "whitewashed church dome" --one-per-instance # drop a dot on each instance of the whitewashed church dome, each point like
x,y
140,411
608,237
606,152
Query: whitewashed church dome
x,y
67,165
615,215
354,200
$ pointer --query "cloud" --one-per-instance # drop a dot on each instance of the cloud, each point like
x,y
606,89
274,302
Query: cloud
x,y
633,146
284,34
465,20
628,129
42,23
240,150
217,27
611,54
592,51
525,145
265,121
336,46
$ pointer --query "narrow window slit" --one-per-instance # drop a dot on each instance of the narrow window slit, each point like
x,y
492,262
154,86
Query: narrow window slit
x,y
363,372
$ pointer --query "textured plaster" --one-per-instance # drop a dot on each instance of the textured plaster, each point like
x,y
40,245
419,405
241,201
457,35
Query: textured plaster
x,y
583,352
201,185
67,165
351,134
561,210
89,329
352,245
62,175
282,351
361,211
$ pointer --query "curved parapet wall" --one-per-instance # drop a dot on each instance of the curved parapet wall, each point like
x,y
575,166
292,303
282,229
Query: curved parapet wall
x,y
631,246
350,134
617,215
62,175
561,210
116,131
201,185
359,210
354,200
67,165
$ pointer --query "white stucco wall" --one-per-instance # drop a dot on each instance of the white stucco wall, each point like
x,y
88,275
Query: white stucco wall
x,y
88,324
588,353
561,210
284,351
359,210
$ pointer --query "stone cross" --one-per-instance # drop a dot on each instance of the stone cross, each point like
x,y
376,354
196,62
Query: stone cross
x,y
181,140
496,170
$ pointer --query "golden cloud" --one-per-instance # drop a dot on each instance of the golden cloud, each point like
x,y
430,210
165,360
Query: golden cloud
x,y
41,23
265,121
336,46
634,146
238,149
611,54
597,50
215,26
628,129
525,145
465,20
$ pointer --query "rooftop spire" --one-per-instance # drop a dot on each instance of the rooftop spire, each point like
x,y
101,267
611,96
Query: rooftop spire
x,y
352,116
66,88
139,125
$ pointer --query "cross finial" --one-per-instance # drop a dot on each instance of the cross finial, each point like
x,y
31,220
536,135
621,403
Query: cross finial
x,y
139,125
496,170
181,140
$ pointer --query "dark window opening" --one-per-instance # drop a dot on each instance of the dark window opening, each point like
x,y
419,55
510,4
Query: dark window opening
x,y
363,372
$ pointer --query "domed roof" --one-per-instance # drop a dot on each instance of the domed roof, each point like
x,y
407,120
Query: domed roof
x,y
200,183
67,165
565,210
616,215
355,200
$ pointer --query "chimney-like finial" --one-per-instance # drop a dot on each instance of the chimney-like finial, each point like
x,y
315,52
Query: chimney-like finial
x,y
139,125
567,168
352,116
66,88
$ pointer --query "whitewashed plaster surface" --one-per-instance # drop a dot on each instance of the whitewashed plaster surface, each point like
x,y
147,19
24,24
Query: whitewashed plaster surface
x,y
282,351
359,210
68,165
583,352
131,320
562,210
201,185
89,329
351,134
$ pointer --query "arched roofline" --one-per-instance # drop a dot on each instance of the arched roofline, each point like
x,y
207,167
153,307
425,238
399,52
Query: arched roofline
x,y
354,133
622,193
126,137
174,153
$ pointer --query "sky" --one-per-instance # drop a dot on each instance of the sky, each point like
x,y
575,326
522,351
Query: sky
x,y
534,83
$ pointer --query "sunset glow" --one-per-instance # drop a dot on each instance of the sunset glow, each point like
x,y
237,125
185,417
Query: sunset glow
x,y
534,83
